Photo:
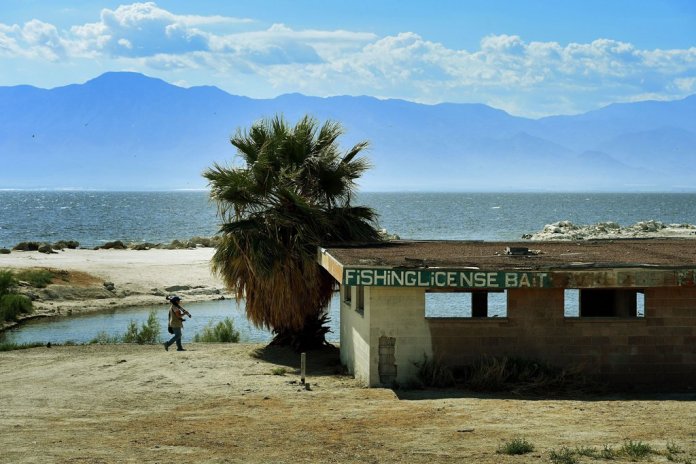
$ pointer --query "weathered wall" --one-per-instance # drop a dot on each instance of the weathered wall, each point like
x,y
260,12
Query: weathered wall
x,y
355,336
381,345
398,318
658,350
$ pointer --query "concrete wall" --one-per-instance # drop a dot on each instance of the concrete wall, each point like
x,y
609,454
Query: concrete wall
x,y
381,345
398,317
658,350
355,336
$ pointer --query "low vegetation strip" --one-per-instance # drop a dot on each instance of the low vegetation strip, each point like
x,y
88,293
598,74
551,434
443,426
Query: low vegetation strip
x,y
149,333
506,374
633,451
12,304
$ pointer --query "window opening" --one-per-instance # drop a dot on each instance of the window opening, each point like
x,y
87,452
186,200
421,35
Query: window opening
x,y
347,294
471,305
604,302
360,297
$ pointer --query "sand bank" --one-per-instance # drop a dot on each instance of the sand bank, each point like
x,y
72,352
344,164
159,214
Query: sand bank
x,y
138,277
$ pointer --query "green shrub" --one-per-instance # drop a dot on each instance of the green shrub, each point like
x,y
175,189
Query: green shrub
x,y
12,305
673,448
38,278
587,452
607,453
7,282
103,338
222,332
564,456
279,371
11,346
516,446
147,334
636,450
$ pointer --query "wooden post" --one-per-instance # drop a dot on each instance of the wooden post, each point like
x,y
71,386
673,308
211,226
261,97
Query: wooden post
x,y
303,367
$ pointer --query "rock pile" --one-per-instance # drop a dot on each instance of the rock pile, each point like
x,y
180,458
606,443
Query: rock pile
x,y
43,247
194,242
566,230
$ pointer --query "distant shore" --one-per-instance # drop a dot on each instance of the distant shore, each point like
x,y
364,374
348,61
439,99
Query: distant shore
x,y
566,230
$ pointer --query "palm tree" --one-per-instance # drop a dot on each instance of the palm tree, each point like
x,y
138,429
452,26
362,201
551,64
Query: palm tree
x,y
292,194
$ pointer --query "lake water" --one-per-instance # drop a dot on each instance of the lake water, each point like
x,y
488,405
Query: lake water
x,y
93,218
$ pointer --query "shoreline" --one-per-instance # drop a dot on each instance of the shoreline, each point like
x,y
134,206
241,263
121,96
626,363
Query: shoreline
x,y
116,278
108,279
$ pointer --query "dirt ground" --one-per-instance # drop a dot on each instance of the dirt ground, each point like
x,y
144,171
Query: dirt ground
x,y
227,403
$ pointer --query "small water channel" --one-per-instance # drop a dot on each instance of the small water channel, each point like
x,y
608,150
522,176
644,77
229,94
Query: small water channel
x,y
85,327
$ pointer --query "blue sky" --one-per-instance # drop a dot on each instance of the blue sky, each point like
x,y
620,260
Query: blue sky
x,y
528,57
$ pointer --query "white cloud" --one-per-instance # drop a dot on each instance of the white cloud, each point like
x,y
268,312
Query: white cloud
x,y
685,84
35,40
8,42
532,78
142,29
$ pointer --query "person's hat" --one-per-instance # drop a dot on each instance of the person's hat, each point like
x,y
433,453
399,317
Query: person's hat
x,y
174,299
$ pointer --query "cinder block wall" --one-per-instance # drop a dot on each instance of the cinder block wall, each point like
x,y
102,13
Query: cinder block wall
x,y
657,351
398,315
381,345
355,336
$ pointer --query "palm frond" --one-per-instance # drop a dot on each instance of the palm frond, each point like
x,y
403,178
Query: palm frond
x,y
292,194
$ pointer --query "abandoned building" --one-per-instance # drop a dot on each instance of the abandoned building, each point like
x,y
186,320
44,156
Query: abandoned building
x,y
621,310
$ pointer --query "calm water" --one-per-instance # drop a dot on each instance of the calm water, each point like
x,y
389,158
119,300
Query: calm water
x,y
93,218
85,327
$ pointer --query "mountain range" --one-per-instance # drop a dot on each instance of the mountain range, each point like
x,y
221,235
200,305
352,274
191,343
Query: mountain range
x,y
129,131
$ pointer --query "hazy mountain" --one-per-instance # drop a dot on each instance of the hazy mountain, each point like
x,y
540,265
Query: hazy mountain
x,y
129,131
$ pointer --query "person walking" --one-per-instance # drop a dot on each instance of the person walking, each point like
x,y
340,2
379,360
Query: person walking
x,y
176,322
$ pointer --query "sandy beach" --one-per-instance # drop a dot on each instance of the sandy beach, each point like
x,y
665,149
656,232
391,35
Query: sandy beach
x,y
139,277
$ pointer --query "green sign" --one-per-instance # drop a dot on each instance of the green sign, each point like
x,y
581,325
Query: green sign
x,y
434,278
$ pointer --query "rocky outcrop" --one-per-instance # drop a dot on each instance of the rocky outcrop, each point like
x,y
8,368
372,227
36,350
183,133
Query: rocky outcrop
x,y
44,247
194,242
115,245
63,244
566,230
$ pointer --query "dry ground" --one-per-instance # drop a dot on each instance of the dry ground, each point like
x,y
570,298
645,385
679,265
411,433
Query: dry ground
x,y
222,403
